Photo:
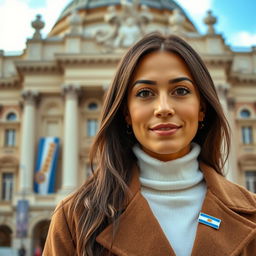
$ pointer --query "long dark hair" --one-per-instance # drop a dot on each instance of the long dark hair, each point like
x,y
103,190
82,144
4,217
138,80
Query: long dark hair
x,y
98,202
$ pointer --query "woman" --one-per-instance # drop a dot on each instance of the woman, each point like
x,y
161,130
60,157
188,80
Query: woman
x,y
161,119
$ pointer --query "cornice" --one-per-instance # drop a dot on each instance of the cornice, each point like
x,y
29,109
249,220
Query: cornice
x,y
217,59
10,82
238,77
36,67
74,59
247,158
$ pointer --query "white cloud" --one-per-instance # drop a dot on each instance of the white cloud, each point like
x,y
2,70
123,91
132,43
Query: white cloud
x,y
196,7
196,10
243,38
52,12
16,17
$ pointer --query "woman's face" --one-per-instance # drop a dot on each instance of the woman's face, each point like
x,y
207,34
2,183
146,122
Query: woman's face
x,y
163,106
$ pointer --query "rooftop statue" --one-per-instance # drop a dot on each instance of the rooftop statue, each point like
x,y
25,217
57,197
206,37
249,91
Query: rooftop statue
x,y
126,26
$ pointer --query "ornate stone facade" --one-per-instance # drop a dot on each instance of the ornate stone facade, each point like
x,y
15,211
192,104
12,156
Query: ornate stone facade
x,y
125,26
56,86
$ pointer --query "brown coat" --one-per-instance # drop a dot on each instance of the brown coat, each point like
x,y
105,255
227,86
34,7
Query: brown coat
x,y
140,234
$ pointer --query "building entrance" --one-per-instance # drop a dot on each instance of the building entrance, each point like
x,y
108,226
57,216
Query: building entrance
x,y
39,237
5,236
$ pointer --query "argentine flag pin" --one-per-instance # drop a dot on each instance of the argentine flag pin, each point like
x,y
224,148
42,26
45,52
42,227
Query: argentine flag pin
x,y
209,220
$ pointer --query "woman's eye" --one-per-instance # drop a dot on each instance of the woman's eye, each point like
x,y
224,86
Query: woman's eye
x,y
144,93
181,91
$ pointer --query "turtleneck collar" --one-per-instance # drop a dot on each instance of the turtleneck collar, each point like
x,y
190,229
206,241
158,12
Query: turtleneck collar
x,y
180,173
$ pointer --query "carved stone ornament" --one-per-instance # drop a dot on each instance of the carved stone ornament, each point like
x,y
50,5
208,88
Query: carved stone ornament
x,y
71,90
177,21
30,96
37,24
222,91
210,21
125,27
231,103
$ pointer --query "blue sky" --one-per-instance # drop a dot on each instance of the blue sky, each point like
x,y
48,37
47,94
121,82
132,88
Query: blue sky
x,y
236,19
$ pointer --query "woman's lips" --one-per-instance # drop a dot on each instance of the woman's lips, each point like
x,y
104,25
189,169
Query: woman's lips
x,y
165,129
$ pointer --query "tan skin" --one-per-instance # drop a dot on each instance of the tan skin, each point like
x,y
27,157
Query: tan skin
x,y
164,106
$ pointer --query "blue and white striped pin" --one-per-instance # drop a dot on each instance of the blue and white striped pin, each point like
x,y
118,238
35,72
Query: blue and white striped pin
x,y
209,220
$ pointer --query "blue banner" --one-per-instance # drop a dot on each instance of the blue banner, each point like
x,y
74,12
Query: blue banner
x,y
22,218
46,165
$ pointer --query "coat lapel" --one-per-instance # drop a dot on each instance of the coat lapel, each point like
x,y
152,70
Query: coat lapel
x,y
139,233
229,203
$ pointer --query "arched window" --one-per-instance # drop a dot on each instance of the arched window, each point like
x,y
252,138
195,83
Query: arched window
x,y
11,117
5,236
39,235
91,114
245,113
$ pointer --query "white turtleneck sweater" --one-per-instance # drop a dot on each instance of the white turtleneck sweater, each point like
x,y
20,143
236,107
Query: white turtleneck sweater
x,y
175,191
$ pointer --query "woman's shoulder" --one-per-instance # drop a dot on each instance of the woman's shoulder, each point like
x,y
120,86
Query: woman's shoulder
x,y
240,195
65,207
61,237
232,194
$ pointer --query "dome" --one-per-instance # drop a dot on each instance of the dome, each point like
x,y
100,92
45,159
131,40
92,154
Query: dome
x,y
89,15
91,4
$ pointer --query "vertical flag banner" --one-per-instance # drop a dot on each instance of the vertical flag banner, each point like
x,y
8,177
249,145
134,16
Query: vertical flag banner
x,y
22,219
47,158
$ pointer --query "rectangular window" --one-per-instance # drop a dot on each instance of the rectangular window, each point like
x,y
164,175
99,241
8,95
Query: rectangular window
x,y
92,127
7,186
247,135
250,177
9,140
52,129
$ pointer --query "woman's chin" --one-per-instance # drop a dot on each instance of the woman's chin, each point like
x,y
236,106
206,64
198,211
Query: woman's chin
x,y
167,153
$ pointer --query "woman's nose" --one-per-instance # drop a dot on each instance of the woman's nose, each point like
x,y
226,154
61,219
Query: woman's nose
x,y
164,107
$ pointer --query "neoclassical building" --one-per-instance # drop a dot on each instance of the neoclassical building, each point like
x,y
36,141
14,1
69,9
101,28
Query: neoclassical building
x,y
55,88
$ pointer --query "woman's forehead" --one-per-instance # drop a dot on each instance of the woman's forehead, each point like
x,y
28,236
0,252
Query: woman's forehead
x,y
160,63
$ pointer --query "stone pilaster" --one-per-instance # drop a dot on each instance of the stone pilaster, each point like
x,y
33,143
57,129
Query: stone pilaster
x,y
228,107
1,62
70,144
27,142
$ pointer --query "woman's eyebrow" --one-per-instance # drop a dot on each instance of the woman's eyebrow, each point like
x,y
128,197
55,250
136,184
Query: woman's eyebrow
x,y
180,79
172,81
145,82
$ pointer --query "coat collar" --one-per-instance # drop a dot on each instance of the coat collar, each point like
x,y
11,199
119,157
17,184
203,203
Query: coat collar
x,y
233,196
139,232
229,203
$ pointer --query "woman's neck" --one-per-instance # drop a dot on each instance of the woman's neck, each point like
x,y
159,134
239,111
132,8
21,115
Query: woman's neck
x,y
180,173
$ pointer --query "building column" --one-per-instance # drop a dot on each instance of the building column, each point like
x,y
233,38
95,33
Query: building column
x,y
27,142
70,144
233,158
230,168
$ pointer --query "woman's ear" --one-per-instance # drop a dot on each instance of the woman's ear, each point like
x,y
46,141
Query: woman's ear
x,y
201,116
202,111
127,116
